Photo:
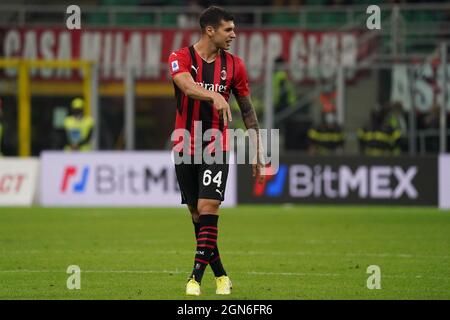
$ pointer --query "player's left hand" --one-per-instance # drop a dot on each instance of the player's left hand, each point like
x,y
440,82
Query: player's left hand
x,y
258,172
258,166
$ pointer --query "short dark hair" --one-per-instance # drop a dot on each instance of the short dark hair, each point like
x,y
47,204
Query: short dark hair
x,y
213,16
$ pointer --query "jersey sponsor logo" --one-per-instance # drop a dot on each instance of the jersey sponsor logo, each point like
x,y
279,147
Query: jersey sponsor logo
x,y
175,66
213,86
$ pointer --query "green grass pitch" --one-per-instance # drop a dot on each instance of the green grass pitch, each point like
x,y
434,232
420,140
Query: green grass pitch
x,y
269,252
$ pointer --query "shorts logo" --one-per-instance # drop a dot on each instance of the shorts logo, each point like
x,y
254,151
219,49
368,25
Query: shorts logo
x,y
219,192
175,66
223,74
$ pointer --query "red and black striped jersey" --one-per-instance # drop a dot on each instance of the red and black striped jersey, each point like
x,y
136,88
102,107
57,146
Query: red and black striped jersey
x,y
225,74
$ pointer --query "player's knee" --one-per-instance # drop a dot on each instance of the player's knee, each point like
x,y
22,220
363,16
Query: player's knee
x,y
208,206
194,212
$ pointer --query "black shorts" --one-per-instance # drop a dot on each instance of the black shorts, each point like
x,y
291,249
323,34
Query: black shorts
x,y
201,181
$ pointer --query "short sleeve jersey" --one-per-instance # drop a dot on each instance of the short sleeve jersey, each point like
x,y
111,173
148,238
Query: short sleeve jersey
x,y
227,73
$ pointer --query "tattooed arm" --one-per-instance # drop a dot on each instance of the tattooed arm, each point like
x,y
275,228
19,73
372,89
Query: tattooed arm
x,y
248,112
251,123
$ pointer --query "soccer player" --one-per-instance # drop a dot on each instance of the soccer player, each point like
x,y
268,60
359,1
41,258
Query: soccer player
x,y
204,75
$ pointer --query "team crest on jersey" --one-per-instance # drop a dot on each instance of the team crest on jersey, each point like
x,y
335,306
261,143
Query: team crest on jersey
x,y
175,66
223,74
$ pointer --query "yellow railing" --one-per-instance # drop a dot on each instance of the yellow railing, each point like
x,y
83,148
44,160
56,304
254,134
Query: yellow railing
x,y
24,93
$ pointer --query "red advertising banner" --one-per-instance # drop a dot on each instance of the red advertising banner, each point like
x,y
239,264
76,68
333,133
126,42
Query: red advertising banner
x,y
310,55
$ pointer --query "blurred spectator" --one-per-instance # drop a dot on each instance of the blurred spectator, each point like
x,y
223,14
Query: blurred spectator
x,y
284,95
327,99
395,118
78,127
284,98
327,138
378,138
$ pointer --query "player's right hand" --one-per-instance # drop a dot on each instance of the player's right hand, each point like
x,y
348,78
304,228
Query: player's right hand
x,y
222,107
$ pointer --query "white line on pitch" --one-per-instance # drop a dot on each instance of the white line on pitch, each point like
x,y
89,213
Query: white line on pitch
x,y
267,253
257,273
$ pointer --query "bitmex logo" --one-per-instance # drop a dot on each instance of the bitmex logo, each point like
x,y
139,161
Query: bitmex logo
x,y
116,179
72,173
373,182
